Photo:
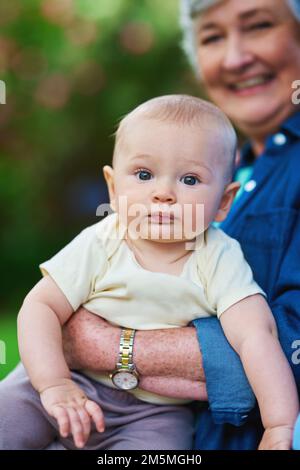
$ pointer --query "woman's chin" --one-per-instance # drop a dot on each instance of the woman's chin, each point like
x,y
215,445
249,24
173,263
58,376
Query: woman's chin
x,y
254,113
251,109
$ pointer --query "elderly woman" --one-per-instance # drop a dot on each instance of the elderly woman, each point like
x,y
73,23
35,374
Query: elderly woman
x,y
247,56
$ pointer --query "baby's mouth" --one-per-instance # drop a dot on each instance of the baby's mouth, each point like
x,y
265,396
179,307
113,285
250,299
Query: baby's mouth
x,y
161,218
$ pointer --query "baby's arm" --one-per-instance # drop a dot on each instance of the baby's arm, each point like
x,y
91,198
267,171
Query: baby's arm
x,y
251,330
44,311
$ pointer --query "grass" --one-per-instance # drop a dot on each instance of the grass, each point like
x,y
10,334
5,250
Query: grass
x,y
9,355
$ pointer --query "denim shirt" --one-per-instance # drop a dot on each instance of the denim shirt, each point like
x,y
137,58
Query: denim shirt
x,y
265,220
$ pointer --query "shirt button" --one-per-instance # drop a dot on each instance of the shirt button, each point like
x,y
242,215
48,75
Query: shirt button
x,y
250,186
279,139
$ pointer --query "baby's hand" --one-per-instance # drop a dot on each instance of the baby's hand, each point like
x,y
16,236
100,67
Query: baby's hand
x,y
278,438
69,405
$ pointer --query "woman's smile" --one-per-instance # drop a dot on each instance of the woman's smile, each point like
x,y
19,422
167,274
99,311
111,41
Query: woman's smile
x,y
248,86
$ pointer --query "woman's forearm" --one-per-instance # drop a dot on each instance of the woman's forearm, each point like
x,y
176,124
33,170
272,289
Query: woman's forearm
x,y
90,342
170,352
175,387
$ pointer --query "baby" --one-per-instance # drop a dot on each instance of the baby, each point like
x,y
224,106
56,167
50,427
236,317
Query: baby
x,y
156,262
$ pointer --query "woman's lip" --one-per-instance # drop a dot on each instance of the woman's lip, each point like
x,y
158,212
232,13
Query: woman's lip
x,y
251,90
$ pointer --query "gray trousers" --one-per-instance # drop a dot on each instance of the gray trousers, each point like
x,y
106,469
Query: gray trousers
x,y
130,424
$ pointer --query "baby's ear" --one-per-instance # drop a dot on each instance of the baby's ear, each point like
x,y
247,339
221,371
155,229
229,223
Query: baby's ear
x,y
227,200
108,173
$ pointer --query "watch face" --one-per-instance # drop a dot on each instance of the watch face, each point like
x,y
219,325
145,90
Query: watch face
x,y
125,380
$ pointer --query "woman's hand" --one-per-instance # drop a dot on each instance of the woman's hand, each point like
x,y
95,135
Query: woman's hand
x,y
277,438
73,411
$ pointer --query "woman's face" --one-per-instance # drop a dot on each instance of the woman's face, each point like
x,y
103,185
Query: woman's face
x,y
249,55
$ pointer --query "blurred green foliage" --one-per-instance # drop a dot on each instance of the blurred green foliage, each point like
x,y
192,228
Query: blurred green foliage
x,y
8,345
72,68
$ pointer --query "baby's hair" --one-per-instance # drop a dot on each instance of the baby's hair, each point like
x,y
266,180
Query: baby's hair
x,y
185,110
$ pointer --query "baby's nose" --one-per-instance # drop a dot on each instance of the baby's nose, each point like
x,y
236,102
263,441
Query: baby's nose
x,y
164,195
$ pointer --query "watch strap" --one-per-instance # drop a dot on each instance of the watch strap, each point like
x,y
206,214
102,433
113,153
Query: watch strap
x,y
125,359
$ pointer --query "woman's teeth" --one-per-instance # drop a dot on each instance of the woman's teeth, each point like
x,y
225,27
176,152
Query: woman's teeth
x,y
252,82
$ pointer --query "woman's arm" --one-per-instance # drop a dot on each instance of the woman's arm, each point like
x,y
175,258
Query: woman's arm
x,y
174,387
90,342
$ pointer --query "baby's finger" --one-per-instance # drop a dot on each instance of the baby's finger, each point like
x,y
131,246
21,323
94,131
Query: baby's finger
x,y
96,413
85,421
62,418
76,427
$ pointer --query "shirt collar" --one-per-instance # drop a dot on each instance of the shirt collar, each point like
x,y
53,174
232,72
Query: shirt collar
x,y
247,155
290,126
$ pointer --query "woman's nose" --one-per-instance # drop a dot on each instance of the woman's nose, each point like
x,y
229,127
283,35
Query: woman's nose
x,y
237,55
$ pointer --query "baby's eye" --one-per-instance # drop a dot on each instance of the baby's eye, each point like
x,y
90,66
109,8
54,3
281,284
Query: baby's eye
x,y
143,175
190,180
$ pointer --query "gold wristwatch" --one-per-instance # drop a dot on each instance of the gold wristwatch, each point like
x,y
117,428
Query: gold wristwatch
x,y
125,376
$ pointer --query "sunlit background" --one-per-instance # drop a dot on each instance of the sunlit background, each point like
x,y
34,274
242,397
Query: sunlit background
x,y
72,68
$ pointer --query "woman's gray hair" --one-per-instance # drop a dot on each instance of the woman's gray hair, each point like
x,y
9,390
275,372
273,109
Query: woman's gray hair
x,y
190,9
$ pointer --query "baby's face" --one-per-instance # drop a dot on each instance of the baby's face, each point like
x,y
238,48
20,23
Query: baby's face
x,y
167,181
